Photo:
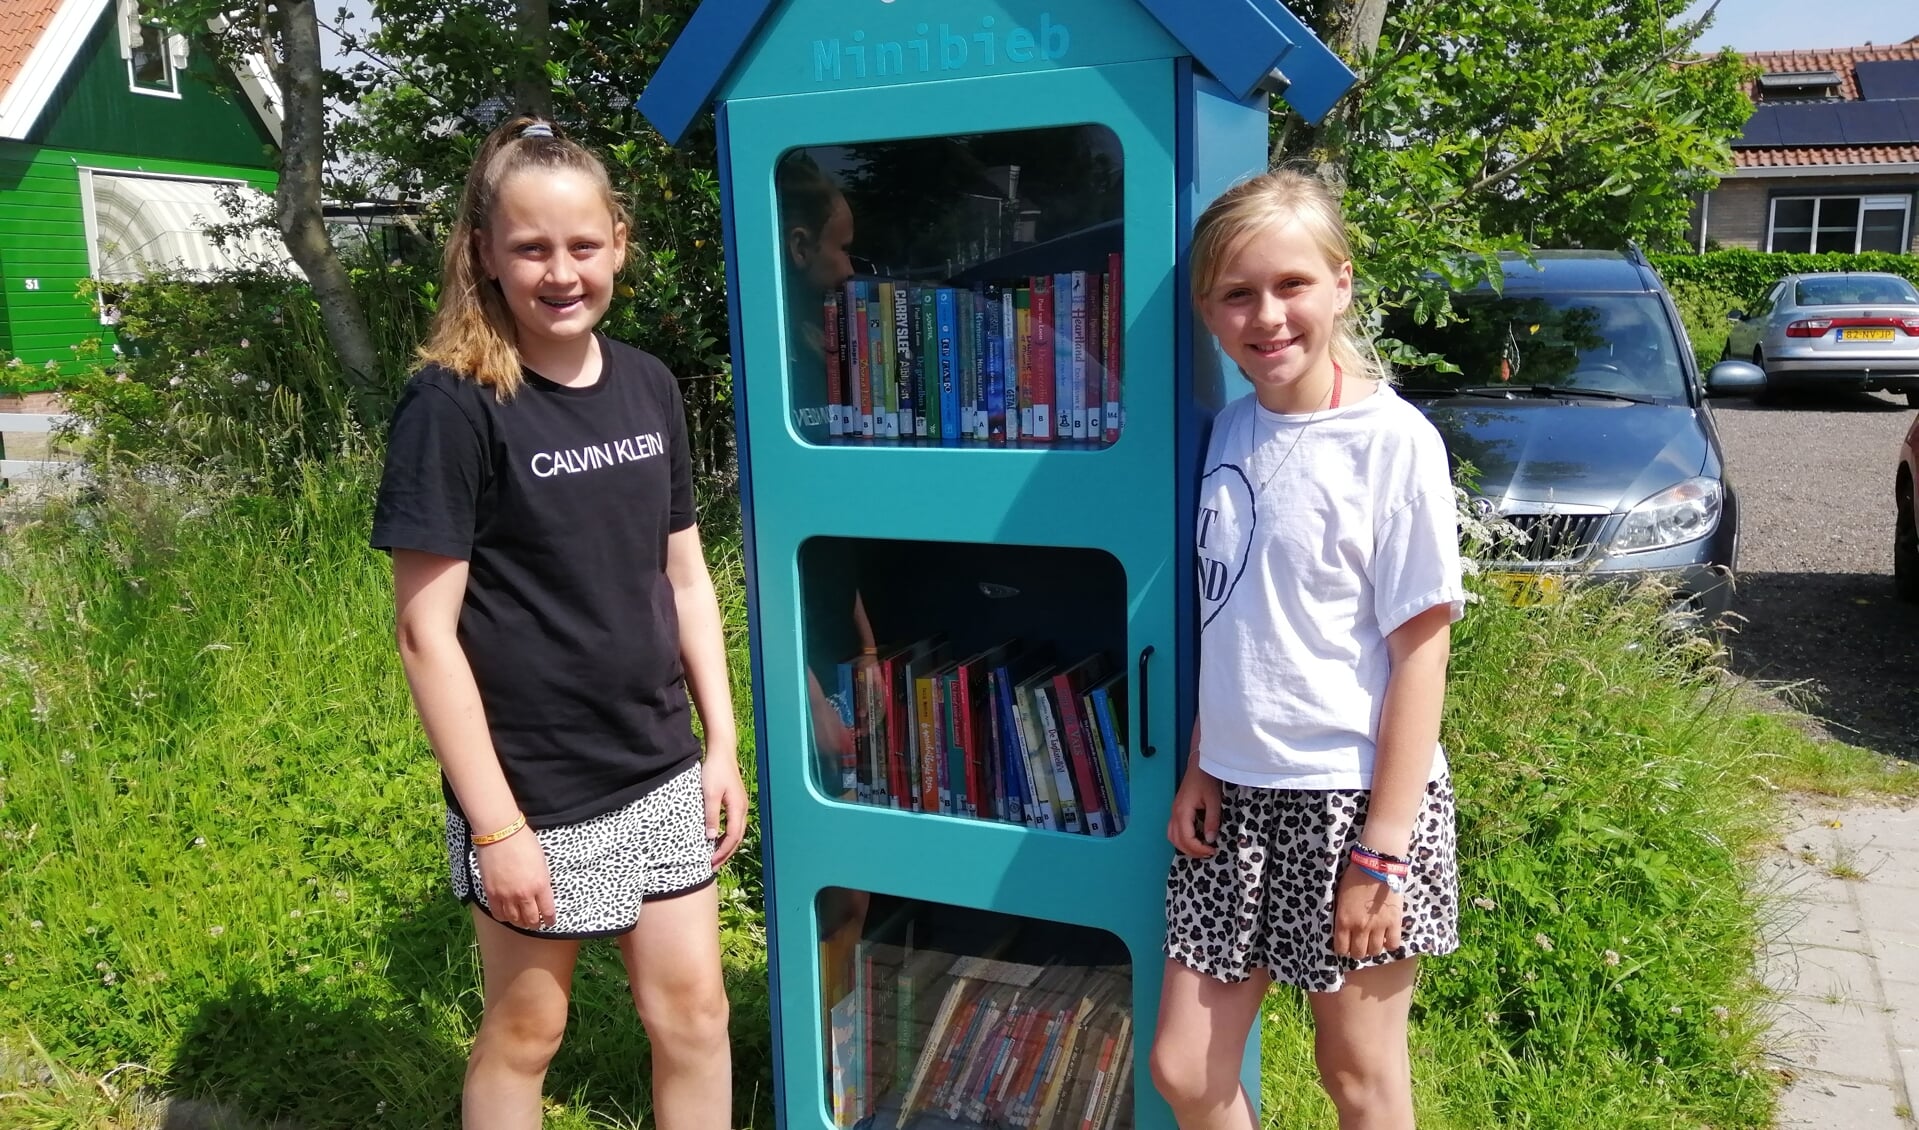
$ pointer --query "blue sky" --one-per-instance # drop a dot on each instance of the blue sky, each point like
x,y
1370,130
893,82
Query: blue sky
x,y
1744,25
1786,25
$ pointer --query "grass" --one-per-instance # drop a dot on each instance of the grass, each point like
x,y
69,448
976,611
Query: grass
x,y
220,879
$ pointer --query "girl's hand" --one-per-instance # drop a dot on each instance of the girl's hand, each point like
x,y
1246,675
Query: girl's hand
x,y
1366,916
1194,828
519,891
725,796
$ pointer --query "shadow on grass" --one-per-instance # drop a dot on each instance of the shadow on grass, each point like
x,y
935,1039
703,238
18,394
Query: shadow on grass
x,y
315,1058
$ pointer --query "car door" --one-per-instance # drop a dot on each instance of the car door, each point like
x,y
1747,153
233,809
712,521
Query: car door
x,y
1747,332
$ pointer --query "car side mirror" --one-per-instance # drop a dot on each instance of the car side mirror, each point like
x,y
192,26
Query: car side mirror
x,y
1736,316
1735,378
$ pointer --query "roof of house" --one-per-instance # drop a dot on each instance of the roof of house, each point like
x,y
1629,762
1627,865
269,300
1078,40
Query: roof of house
x,y
1241,42
1871,116
21,23
40,40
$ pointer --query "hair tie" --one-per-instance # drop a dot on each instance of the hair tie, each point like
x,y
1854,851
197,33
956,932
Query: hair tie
x,y
537,129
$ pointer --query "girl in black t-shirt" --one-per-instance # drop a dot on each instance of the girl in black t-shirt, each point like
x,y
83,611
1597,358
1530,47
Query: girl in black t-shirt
x,y
559,628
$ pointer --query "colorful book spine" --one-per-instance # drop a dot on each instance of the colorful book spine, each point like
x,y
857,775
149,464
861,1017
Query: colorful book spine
x,y
927,723
879,331
1039,360
1046,713
995,369
903,367
1075,344
1094,390
863,337
947,310
1079,758
927,426
1104,707
1010,360
1064,374
1020,408
845,702
981,359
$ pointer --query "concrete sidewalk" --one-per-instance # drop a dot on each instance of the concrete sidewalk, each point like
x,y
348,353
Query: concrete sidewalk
x,y
1844,953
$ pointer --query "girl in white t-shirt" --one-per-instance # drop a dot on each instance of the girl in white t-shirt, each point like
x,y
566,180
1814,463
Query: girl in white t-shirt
x,y
1314,824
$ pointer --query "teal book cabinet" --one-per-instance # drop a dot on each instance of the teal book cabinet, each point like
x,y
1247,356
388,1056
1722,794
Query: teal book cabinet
x,y
971,402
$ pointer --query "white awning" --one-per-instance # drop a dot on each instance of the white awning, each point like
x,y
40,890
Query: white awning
x,y
136,224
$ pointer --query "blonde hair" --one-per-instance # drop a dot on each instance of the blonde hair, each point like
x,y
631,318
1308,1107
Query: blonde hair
x,y
1267,201
473,332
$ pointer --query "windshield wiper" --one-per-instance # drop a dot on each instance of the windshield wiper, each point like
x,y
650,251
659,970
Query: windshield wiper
x,y
1566,391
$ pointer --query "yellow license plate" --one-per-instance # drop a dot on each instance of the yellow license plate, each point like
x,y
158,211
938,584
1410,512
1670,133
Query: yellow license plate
x,y
1865,335
1525,589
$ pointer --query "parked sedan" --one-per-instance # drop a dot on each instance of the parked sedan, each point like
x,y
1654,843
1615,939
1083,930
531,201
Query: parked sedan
x,y
1838,330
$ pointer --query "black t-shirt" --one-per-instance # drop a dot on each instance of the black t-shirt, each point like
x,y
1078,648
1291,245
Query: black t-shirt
x,y
560,500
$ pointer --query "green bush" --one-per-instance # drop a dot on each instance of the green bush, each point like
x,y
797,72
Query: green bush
x,y
1745,276
236,375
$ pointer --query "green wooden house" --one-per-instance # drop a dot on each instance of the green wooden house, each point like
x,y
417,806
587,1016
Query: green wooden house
x,y
115,141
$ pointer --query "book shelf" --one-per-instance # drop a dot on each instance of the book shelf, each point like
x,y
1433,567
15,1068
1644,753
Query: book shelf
x,y
969,431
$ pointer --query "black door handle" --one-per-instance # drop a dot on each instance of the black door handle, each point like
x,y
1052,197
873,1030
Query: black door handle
x,y
1146,747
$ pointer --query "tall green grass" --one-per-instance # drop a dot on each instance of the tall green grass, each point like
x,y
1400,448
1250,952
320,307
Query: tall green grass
x,y
219,859
219,829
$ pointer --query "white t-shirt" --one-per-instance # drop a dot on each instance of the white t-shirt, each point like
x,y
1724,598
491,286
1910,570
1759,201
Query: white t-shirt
x,y
1319,533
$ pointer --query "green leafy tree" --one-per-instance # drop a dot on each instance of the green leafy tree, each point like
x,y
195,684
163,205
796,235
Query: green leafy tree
x,y
1480,126
286,34
423,90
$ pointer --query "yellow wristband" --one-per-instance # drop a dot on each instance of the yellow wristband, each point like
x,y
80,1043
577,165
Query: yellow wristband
x,y
495,837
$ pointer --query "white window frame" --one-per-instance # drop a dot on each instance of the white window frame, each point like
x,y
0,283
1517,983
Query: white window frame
x,y
1900,202
131,20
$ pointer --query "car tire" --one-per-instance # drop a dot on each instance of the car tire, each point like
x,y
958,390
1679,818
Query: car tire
x,y
1765,395
1905,546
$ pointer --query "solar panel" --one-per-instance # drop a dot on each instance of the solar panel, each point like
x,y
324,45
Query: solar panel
x,y
1762,129
1873,123
1888,78
1812,124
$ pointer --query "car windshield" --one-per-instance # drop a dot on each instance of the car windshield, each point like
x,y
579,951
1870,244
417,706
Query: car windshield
x,y
1610,343
1854,290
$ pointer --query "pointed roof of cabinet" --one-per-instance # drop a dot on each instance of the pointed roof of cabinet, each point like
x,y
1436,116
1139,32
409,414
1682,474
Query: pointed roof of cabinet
x,y
1248,45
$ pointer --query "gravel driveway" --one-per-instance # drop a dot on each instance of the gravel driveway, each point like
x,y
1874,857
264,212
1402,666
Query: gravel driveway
x,y
1814,477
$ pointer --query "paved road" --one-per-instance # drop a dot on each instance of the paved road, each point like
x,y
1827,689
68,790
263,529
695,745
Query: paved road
x,y
1814,477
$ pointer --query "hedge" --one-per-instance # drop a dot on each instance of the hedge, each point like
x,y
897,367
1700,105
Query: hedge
x,y
1745,276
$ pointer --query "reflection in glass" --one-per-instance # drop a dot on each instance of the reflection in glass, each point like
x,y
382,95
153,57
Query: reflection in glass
x,y
959,291
939,1017
1604,343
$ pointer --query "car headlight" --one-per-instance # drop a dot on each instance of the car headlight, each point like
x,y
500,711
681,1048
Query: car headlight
x,y
1674,516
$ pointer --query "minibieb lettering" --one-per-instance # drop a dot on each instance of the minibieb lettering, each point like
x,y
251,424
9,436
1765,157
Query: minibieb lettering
x,y
939,48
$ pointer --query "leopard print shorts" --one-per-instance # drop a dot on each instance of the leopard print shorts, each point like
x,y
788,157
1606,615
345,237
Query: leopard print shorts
x,y
603,868
1265,899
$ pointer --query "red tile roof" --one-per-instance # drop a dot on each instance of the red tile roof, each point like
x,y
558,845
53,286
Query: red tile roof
x,y
1826,155
1842,61
21,22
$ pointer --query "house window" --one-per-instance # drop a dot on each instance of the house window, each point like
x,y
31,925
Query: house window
x,y
1840,223
154,57
150,66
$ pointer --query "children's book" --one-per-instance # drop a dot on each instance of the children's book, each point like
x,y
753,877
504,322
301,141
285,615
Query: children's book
x,y
1068,686
1108,697
1068,806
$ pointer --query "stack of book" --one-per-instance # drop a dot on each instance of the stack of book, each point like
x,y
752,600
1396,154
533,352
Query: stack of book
x,y
922,1039
1035,360
1004,734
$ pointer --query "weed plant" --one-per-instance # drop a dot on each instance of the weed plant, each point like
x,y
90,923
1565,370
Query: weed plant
x,y
223,878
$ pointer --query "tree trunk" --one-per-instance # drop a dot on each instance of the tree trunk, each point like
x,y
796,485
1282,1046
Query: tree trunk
x,y
297,200
532,91
1351,28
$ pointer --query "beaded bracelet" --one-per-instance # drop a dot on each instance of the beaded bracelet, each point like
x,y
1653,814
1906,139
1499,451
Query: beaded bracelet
x,y
495,837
